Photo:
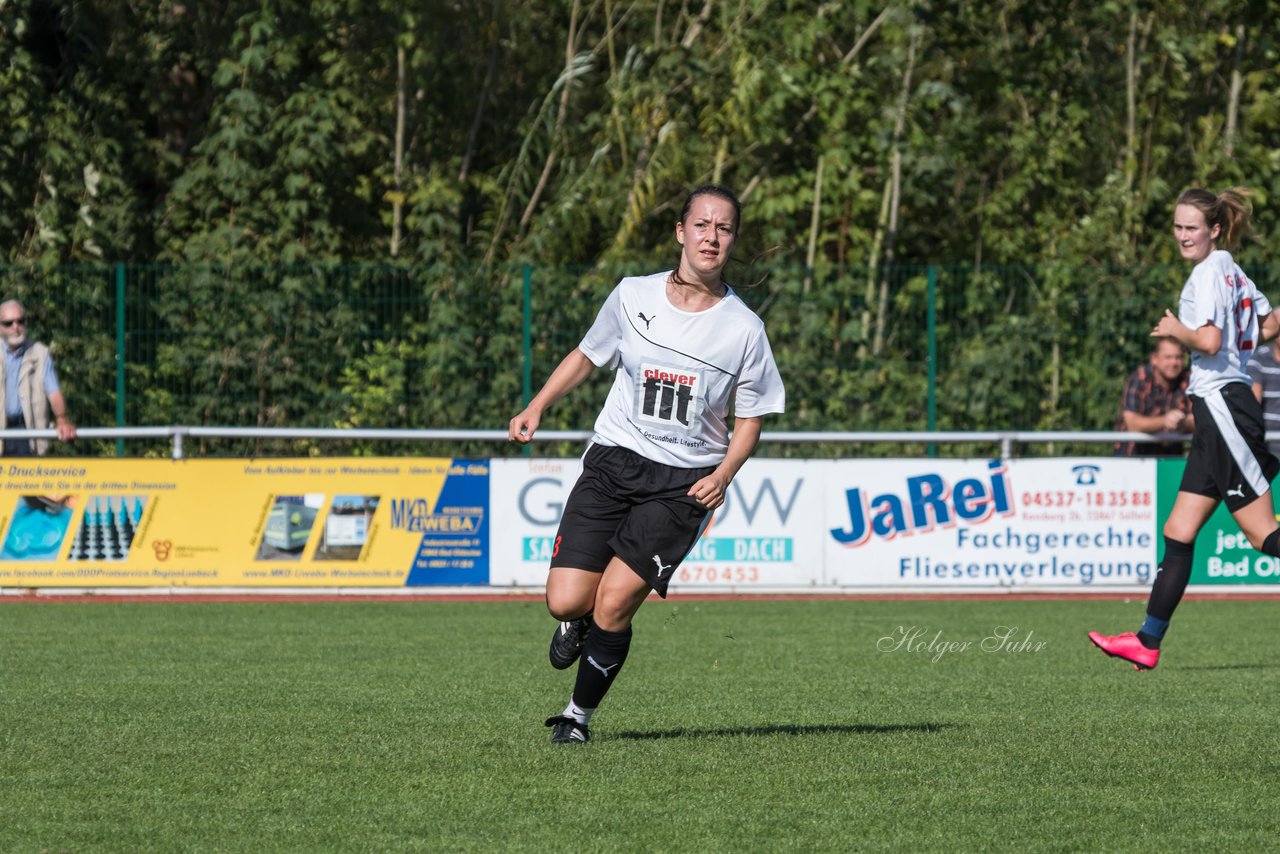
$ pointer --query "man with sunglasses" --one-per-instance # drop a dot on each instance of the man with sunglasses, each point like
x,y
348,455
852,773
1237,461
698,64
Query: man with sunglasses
x,y
29,386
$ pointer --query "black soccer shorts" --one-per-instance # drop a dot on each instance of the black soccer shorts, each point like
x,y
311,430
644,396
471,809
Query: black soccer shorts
x,y
1229,459
626,505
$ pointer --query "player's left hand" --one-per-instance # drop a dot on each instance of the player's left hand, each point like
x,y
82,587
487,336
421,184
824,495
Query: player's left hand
x,y
709,492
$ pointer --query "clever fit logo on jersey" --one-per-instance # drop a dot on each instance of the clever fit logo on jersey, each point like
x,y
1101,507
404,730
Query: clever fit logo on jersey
x,y
668,398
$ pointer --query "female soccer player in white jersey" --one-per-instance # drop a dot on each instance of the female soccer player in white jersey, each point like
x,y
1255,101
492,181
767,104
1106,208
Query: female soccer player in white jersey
x,y
1221,319
685,350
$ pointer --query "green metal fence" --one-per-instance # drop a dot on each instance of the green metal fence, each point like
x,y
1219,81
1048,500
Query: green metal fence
x,y
901,348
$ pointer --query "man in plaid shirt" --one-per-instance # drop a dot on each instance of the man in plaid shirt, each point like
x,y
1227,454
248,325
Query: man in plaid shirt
x,y
1155,401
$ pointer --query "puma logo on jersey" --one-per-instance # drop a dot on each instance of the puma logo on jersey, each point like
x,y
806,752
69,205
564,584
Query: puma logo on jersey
x,y
661,568
1238,492
647,320
596,665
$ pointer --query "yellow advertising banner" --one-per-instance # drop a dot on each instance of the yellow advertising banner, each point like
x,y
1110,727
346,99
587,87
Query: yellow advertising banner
x,y
317,522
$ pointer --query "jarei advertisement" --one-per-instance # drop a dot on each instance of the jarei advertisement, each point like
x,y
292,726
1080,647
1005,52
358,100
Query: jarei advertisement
x,y
1053,523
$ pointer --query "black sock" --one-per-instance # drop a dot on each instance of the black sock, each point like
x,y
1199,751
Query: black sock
x,y
602,657
1271,545
1171,583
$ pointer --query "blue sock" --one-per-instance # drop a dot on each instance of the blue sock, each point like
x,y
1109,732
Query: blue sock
x,y
1153,628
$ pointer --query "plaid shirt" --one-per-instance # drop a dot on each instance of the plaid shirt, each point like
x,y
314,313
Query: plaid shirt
x,y
1144,394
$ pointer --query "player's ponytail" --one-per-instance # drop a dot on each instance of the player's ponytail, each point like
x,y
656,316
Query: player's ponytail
x,y
1229,210
1237,216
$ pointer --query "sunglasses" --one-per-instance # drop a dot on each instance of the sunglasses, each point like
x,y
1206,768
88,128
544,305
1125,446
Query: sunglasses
x,y
7,323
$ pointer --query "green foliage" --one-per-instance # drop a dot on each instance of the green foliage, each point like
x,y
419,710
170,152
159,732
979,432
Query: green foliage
x,y
266,133
1031,151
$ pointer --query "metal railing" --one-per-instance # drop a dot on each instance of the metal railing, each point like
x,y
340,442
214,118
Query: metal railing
x,y
1007,440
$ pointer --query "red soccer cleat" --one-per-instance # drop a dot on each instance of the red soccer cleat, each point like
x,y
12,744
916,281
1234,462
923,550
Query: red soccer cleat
x,y
1128,647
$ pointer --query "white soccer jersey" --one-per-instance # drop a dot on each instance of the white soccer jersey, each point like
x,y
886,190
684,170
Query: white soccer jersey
x,y
1219,292
677,372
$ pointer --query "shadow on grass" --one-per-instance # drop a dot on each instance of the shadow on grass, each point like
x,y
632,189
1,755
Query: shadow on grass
x,y
786,729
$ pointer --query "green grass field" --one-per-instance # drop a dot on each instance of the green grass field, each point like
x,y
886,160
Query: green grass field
x,y
735,726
